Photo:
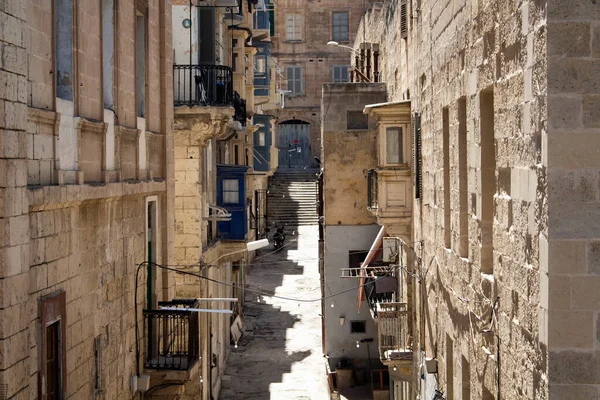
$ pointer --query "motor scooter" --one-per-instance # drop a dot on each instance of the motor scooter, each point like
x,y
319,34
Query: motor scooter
x,y
279,238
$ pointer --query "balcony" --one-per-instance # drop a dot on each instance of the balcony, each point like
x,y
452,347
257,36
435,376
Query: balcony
x,y
173,338
372,190
203,85
394,330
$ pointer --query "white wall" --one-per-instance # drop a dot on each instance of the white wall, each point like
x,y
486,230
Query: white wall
x,y
339,342
181,35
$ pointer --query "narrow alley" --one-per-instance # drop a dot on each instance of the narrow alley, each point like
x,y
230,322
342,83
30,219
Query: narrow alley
x,y
279,356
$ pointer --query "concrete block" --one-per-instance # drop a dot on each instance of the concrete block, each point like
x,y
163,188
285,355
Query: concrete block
x,y
591,111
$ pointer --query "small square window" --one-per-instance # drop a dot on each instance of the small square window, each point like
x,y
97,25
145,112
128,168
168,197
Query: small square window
x,y
358,327
231,192
357,120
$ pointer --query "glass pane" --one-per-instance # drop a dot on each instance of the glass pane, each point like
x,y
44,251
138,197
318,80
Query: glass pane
x,y
394,146
261,138
230,197
230,185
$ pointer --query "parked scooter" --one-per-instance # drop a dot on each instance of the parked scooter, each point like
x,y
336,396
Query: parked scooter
x,y
279,238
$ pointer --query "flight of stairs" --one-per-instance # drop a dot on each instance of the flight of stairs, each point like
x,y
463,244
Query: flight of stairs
x,y
292,198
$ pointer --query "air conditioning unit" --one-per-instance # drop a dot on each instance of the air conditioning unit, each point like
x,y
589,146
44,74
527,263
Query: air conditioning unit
x,y
391,250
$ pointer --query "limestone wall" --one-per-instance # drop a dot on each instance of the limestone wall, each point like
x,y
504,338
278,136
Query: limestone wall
x,y
571,293
475,72
347,154
69,250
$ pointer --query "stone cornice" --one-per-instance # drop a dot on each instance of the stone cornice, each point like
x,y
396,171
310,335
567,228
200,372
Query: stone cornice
x,y
45,117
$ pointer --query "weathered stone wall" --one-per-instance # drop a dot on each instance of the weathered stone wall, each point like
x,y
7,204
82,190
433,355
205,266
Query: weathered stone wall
x,y
488,57
84,241
571,292
347,154
313,54
475,72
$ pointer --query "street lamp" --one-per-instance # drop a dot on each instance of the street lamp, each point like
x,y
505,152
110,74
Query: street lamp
x,y
336,44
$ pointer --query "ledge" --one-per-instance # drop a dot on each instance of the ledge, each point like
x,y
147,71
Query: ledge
x,y
53,197
158,376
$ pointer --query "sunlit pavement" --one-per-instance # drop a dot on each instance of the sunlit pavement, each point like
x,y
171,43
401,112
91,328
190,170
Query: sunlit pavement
x,y
279,356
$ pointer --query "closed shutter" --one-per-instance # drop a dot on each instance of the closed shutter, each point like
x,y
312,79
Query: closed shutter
x,y
207,32
403,19
417,162
293,27
294,79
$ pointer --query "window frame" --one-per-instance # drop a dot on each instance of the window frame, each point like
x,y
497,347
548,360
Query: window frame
x,y
341,69
405,159
295,35
294,80
53,310
224,190
337,29
352,331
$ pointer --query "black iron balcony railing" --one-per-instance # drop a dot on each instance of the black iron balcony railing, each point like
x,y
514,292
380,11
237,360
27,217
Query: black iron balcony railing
x,y
173,336
372,190
202,85
394,328
239,105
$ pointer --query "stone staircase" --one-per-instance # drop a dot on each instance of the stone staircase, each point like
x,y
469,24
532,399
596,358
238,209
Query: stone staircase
x,y
292,198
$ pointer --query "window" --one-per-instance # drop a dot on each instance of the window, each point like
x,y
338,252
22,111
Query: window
x,y
53,364
98,364
108,50
403,19
260,64
231,191
294,80
340,26
355,258
53,349
357,120
63,39
488,178
140,61
340,73
394,145
446,160
358,327
293,26
261,138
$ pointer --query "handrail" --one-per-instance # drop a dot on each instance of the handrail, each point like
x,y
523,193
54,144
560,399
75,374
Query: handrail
x,y
202,85
173,334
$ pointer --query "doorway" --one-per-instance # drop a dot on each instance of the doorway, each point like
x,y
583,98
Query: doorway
x,y
294,144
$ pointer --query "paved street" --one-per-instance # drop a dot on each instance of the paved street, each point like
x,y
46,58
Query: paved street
x,y
279,356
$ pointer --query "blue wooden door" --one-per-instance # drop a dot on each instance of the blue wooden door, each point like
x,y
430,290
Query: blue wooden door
x,y
294,145
231,195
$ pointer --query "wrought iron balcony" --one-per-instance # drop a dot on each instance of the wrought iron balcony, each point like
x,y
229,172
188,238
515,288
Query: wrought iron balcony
x,y
372,190
202,85
394,327
173,336
239,105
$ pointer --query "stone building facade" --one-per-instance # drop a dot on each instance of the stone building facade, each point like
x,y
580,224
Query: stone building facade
x,y
302,30
503,100
87,192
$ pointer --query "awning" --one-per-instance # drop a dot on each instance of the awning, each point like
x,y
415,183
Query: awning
x,y
374,251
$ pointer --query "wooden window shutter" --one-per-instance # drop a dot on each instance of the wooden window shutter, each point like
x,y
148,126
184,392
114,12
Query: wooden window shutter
x,y
417,161
403,19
